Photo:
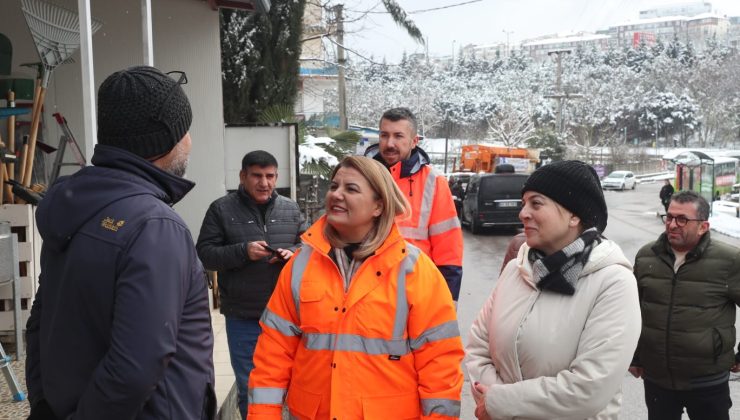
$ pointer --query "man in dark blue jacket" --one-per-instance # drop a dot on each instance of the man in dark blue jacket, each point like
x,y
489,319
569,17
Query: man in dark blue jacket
x,y
247,236
120,326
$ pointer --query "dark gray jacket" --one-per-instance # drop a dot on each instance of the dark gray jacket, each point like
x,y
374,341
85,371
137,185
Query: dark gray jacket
x,y
120,328
688,317
233,221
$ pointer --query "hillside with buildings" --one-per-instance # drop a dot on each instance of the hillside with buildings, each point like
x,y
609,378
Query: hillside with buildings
x,y
695,25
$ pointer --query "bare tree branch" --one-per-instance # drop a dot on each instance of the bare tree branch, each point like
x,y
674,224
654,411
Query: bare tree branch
x,y
513,127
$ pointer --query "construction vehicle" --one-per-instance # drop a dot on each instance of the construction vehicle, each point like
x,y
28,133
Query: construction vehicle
x,y
479,158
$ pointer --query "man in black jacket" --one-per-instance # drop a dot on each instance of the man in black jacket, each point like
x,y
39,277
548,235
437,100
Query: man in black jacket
x,y
120,327
665,194
247,236
689,286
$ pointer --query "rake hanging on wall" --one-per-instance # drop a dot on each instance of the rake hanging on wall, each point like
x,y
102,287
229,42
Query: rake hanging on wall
x,y
56,33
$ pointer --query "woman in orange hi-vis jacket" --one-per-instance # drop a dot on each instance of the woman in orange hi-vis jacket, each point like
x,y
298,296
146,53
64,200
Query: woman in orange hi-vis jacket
x,y
361,324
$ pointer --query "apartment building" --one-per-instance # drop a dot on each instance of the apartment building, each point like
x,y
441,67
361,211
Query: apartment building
x,y
706,26
317,73
487,52
733,34
539,48
695,22
678,9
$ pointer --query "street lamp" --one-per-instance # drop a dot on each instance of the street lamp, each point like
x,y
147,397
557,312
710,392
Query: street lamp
x,y
453,54
507,40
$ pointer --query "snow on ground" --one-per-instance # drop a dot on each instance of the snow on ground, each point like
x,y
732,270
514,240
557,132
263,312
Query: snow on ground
x,y
724,218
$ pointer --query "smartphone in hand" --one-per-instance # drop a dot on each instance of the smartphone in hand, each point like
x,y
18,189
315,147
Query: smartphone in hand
x,y
274,251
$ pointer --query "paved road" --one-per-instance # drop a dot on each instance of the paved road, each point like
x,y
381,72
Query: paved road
x,y
632,223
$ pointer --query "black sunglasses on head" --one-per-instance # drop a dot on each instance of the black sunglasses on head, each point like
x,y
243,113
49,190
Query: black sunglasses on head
x,y
182,79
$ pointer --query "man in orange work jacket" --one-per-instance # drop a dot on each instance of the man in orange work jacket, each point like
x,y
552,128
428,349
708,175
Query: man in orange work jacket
x,y
433,225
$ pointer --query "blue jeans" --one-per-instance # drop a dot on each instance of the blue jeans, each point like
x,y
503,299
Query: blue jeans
x,y
241,335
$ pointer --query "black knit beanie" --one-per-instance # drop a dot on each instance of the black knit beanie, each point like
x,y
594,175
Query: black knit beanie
x,y
575,186
142,110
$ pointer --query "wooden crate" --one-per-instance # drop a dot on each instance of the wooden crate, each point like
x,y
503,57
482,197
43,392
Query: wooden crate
x,y
23,224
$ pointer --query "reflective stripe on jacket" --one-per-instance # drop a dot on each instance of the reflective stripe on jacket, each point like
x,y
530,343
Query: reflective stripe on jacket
x,y
433,226
388,348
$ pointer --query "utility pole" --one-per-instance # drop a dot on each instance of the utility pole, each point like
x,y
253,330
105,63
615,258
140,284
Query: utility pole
x,y
559,94
447,138
656,135
341,61
426,50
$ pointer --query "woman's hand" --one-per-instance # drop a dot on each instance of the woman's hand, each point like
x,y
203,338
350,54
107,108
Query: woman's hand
x,y
480,401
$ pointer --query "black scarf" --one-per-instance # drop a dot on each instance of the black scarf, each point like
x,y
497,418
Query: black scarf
x,y
559,272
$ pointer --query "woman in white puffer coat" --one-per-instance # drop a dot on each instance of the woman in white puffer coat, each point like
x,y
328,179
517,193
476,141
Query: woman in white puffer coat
x,y
558,333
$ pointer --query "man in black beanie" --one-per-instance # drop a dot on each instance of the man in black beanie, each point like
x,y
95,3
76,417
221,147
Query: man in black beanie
x,y
120,326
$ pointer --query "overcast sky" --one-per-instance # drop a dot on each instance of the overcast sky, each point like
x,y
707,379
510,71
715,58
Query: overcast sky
x,y
489,21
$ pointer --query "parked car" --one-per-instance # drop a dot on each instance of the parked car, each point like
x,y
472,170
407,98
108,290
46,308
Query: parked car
x,y
493,200
619,180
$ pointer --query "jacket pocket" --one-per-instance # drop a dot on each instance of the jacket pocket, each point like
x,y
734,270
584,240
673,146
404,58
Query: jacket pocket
x,y
722,342
314,306
401,407
209,403
302,404
312,292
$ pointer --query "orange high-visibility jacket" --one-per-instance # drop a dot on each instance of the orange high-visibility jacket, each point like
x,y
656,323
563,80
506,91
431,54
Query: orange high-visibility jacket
x,y
433,226
388,348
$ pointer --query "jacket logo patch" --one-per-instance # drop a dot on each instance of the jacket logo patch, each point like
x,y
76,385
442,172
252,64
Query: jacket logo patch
x,y
111,224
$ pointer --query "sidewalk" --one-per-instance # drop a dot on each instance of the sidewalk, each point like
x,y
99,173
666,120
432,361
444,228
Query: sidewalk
x,y
221,360
11,410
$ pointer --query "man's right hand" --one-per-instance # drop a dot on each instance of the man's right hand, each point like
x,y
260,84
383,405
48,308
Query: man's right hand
x,y
256,250
636,371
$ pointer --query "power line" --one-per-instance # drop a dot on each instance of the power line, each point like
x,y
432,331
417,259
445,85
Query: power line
x,y
427,10
444,7
358,54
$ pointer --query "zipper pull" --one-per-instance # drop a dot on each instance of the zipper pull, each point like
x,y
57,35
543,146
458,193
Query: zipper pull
x,y
411,187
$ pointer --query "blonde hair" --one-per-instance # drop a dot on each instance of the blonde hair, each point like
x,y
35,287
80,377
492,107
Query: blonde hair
x,y
386,191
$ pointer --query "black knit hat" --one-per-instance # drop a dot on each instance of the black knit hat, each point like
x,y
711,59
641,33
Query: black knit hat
x,y
142,110
575,186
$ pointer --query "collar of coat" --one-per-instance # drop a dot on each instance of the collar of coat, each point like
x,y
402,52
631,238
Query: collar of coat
x,y
410,166
248,200
166,186
389,254
663,247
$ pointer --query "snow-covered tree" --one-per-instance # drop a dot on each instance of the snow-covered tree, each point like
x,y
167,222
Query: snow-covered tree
x,y
623,94
259,59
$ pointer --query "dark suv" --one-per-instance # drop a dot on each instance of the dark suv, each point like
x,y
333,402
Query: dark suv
x,y
493,200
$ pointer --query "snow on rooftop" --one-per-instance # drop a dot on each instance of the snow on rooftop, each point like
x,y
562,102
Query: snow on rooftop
x,y
671,154
652,20
707,15
580,38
